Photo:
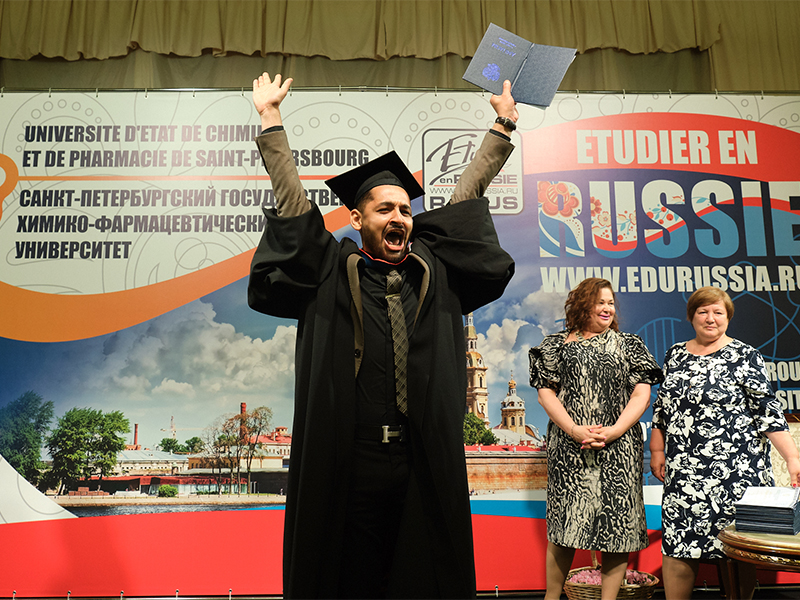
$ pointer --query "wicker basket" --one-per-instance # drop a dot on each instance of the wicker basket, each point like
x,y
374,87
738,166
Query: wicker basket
x,y
588,591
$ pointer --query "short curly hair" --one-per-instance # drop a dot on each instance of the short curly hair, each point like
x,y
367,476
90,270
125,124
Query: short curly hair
x,y
581,301
704,296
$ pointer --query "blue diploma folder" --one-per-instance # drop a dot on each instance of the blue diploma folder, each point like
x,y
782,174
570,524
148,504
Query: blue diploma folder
x,y
535,70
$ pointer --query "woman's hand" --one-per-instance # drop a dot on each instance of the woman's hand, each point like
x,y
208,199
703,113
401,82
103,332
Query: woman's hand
x,y
638,403
784,444
658,463
793,465
588,437
610,433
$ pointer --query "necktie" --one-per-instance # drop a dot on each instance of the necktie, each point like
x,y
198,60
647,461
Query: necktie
x,y
397,318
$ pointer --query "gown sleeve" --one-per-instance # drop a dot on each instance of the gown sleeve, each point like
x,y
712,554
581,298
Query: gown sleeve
x,y
463,237
294,256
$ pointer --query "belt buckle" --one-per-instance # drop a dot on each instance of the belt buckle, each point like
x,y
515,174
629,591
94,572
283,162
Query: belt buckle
x,y
391,434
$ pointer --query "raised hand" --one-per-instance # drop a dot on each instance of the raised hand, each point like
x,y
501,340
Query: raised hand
x,y
504,104
267,97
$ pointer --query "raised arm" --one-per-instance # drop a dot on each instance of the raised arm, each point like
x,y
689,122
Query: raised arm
x,y
267,97
290,197
493,152
506,107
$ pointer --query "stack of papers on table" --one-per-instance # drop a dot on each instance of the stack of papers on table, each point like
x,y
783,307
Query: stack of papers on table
x,y
769,510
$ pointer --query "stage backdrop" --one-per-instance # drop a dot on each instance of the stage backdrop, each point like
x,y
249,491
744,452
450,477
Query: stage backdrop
x,y
129,219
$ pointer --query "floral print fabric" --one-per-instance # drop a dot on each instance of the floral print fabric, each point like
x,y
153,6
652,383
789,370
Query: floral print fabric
x,y
714,411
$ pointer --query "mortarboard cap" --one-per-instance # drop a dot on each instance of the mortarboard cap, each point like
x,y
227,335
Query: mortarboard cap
x,y
388,169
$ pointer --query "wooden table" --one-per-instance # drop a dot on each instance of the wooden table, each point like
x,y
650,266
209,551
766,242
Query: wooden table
x,y
765,550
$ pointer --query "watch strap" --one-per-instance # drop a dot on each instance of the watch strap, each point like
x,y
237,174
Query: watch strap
x,y
506,122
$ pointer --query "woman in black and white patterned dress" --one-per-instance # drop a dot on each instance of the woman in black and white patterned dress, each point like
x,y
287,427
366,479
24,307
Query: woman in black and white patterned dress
x,y
594,383
712,423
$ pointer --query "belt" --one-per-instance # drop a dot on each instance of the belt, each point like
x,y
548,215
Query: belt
x,y
384,434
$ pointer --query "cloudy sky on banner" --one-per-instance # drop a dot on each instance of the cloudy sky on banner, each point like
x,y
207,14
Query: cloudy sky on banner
x,y
200,361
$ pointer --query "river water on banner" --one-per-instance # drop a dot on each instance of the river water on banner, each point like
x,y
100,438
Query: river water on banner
x,y
106,511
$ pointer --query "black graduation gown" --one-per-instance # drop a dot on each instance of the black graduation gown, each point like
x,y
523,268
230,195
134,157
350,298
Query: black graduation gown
x,y
299,272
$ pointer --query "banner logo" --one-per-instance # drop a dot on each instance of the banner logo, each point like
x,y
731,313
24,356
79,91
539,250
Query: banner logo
x,y
447,152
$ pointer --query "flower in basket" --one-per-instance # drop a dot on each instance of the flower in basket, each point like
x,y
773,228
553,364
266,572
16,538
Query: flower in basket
x,y
592,577
637,578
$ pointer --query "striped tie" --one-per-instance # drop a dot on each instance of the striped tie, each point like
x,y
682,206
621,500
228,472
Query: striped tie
x,y
397,318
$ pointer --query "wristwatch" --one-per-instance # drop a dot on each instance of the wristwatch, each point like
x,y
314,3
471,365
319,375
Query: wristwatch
x,y
506,122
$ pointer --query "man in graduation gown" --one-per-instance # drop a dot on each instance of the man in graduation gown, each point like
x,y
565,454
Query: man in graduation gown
x,y
377,502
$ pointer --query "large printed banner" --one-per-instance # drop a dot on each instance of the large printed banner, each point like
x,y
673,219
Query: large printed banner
x,y
129,220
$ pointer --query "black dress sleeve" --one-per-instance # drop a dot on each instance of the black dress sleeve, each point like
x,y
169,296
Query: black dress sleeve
x,y
544,360
644,368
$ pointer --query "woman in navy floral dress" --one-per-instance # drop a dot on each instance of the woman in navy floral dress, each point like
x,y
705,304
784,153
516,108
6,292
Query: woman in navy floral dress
x,y
713,420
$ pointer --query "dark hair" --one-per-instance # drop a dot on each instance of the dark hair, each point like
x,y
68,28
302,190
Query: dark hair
x,y
708,295
362,201
581,301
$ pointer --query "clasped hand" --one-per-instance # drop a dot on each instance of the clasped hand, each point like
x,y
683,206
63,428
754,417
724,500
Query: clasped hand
x,y
594,437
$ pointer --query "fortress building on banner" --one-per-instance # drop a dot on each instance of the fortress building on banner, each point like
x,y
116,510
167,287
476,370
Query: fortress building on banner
x,y
513,409
517,461
512,428
477,385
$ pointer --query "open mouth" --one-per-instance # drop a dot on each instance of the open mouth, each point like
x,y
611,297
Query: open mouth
x,y
395,239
